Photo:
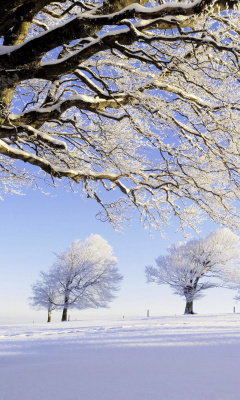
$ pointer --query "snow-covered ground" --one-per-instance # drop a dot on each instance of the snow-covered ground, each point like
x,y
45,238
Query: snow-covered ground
x,y
166,358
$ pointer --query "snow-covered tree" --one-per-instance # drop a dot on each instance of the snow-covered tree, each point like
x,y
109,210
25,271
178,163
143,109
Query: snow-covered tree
x,y
187,265
232,280
45,294
133,96
86,275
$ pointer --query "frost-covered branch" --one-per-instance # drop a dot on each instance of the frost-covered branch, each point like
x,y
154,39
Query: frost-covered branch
x,y
137,98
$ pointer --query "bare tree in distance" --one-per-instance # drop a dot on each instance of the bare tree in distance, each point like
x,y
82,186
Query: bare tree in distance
x,y
45,294
134,97
188,265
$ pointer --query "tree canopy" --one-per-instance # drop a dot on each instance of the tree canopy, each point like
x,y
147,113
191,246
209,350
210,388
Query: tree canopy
x,y
137,98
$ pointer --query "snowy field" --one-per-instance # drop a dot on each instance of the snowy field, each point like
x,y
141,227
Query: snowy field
x,y
165,358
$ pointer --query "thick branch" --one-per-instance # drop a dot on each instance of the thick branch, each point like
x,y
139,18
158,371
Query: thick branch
x,y
82,26
41,115
54,170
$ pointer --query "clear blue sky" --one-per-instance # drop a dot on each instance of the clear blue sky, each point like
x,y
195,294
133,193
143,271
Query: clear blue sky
x,y
35,226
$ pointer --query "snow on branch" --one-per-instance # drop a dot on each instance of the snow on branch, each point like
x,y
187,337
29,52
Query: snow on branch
x,y
138,100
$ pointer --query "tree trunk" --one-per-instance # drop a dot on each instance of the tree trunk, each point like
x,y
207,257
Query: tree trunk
x,y
66,300
64,314
49,316
189,307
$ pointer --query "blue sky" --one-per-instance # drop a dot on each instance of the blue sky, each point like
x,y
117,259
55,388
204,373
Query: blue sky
x,y
34,226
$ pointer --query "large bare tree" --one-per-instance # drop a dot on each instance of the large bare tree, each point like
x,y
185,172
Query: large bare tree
x,y
140,98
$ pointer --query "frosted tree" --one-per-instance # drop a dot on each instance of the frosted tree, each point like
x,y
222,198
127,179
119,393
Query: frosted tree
x,y
86,275
232,280
136,97
45,294
188,265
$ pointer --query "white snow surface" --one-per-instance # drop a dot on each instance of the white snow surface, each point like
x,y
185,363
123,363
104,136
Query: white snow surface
x,y
169,358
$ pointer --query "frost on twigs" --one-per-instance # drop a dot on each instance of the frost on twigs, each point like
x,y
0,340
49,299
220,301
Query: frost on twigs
x,y
135,104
